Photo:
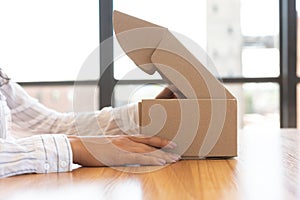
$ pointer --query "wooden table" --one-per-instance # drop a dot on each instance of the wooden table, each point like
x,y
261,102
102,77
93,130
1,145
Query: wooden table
x,y
267,168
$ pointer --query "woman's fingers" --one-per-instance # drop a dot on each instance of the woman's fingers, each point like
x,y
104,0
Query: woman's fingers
x,y
145,160
132,146
168,157
154,152
141,146
153,141
151,158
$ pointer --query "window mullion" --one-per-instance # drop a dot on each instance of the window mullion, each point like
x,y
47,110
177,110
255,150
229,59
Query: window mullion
x,y
288,55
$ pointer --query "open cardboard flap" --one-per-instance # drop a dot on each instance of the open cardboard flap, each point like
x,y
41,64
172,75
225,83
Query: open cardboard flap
x,y
207,108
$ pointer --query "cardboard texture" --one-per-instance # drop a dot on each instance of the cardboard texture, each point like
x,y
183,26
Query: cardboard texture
x,y
203,122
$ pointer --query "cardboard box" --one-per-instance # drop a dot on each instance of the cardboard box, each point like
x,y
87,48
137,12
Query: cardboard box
x,y
203,120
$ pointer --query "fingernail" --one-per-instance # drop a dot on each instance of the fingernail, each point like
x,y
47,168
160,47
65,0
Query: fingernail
x,y
161,161
172,161
171,145
175,157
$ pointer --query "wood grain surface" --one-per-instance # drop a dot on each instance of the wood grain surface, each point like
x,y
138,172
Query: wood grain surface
x,y
267,168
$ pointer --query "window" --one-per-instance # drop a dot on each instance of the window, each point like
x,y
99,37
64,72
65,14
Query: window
x,y
48,41
251,42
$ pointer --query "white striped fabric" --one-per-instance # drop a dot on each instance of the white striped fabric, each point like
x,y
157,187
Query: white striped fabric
x,y
36,154
5,114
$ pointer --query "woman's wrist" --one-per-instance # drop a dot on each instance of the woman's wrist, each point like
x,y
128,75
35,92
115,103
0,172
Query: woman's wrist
x,y
81,154
75,146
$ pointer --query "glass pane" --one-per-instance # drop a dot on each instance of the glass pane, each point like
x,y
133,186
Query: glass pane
x,y
55,97
47,40
124,94
258,103
241,37
260,62
59,98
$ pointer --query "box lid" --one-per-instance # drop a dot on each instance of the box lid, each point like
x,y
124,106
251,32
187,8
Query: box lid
x,y
154,48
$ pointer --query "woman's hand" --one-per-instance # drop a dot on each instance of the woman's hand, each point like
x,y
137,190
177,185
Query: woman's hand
x,y
166,93
121,150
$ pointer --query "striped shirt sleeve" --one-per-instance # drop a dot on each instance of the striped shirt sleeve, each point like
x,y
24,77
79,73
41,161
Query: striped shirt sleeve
x,y
29,115
35,154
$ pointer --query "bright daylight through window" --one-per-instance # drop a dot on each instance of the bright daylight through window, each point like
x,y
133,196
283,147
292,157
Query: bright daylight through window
x,y
47,41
